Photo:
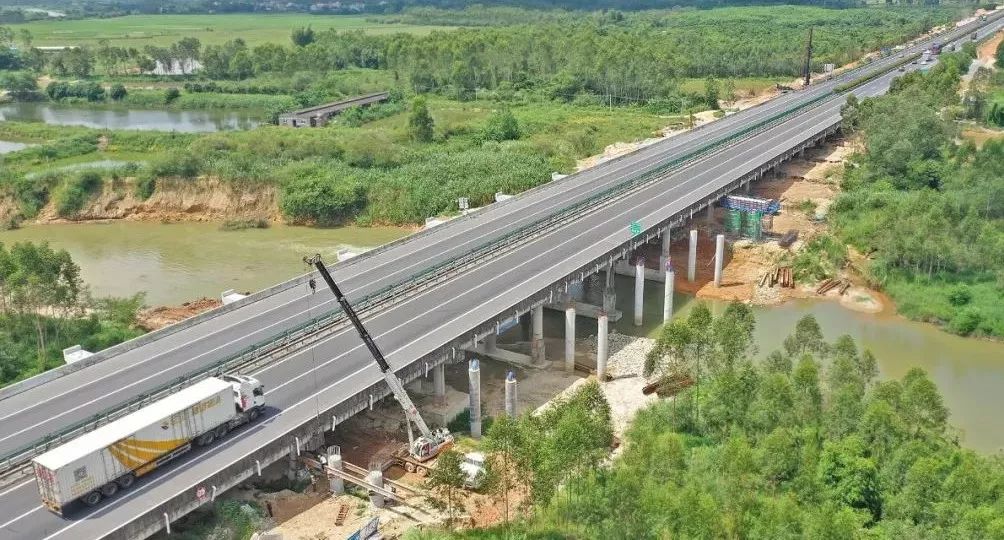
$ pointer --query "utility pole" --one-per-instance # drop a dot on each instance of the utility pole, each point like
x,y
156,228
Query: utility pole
x,y
808,57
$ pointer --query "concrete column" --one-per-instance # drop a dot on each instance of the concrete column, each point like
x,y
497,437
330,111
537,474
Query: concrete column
x,y
474,376
491,342
667,295
375,479
439,380
609,293
570,338
639,290
602,341
510,394
746,188
335,483
537,336
692,257
666,245
711,211
719,257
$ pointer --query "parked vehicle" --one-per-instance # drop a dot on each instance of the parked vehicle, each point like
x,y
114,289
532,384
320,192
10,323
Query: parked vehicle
x,y
98,464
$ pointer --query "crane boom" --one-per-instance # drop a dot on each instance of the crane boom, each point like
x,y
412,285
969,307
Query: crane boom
x,y
410,411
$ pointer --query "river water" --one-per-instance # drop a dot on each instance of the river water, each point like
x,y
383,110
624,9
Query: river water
x,y
180,262
124,118
175,263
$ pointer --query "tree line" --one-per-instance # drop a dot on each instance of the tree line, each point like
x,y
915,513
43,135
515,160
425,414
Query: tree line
x,y
805,444
928,209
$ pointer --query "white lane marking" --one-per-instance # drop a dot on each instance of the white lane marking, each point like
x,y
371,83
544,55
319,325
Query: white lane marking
x,y
154,357
611,176
19,518
148,377
332,385
17,487
194,461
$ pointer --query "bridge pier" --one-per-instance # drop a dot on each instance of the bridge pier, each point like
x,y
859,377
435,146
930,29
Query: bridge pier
x,y
639,290
474,376
719,258
335,483
602,341
510,394
667,240
692,256
609,293
375,479
667,295
537,335
439,381
570,338
711,211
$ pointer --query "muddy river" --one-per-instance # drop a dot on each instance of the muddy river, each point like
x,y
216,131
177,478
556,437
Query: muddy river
x,y
180,262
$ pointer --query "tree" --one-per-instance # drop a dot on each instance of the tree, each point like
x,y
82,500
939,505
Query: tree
x,y
20,84
999,55
302,36
807,338
37,280
117,92
170,95
502,126
711,92
420,123
447,479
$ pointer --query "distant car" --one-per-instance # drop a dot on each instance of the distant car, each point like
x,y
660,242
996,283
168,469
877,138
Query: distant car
x,y
902,68
914,62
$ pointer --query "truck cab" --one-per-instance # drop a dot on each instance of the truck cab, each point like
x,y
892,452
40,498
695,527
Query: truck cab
x,y
249,393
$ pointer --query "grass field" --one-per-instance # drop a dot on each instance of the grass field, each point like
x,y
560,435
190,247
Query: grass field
x,y
140,30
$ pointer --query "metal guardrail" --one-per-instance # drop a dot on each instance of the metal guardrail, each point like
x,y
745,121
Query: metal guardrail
x,y
297,337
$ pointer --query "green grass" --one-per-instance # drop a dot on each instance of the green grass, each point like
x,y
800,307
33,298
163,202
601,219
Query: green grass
x,y
163,30
743,85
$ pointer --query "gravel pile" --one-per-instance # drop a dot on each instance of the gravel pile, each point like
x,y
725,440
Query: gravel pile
x,y
627,354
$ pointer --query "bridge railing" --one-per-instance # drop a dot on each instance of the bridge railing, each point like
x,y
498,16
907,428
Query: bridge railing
x,y
301,335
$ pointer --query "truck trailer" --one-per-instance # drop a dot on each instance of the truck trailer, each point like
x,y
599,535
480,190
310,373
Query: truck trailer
x,y
98,464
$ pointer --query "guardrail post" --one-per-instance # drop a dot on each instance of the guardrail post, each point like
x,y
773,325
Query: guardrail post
x,y
297,439
167,523
212,497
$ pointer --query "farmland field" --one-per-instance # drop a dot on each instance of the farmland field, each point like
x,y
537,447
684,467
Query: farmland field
x,y
162,30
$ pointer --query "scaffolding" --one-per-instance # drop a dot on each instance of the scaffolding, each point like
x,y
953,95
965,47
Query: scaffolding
x,y
750,216
734,222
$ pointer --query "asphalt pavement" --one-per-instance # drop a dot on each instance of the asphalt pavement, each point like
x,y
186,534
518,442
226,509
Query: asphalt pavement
x,y
339,366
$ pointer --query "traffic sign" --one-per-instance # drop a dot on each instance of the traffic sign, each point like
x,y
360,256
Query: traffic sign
x,y
635,228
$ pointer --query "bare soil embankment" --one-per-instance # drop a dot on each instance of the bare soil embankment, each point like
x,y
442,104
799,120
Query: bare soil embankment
x,y
202,199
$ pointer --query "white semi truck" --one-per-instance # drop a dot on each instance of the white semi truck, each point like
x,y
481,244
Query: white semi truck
x,y
98,464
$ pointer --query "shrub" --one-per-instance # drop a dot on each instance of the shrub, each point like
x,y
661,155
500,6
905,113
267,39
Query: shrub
x,y
322,194
965,322
960,295
118,92
170,95
75,192
501,126
145,185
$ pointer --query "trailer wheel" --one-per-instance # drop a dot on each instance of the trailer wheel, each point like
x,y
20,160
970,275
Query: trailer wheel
x,y
422,471
206,438
253,414
109,489
92,498
221,431
410,467
126,481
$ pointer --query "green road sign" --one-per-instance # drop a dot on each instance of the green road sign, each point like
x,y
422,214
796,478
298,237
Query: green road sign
x,y
635,228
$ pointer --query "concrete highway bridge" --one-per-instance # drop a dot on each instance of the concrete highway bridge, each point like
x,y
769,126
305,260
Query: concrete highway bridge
x,y
424,298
